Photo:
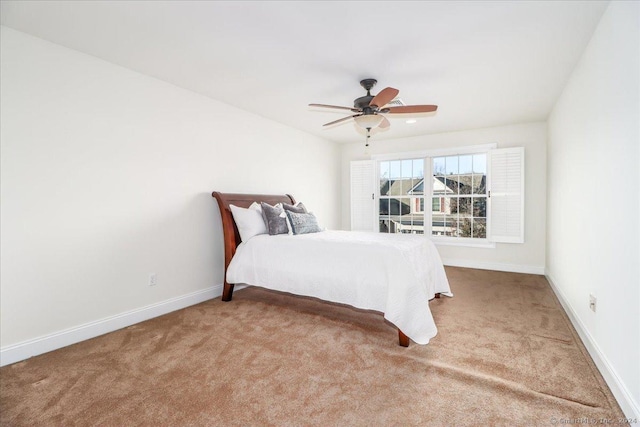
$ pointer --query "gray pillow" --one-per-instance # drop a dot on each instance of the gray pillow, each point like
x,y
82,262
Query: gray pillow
x,y
272,219
303,223
298,208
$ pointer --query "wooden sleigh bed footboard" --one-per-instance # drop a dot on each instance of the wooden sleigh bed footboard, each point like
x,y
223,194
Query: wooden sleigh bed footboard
x,y
232,239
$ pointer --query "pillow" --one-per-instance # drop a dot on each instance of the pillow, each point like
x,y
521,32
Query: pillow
x,y
297,208
249,221
256,206
303,223
274,223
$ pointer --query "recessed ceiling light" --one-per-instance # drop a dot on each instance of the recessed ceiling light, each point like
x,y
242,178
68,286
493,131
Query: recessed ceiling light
x,y
411,121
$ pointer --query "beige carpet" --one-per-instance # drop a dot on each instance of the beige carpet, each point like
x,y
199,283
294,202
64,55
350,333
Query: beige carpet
x,y
505,354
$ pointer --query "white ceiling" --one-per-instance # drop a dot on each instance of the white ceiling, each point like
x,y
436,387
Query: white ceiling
x,y
484,63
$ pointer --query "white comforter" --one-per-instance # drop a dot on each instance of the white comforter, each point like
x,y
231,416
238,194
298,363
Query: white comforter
x,y
395,274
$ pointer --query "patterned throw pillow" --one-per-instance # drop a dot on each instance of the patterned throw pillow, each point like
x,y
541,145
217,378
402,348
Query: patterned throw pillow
x,y
297,208
303,223
272,219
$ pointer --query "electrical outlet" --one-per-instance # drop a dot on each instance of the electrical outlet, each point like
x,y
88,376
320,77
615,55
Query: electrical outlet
x,y
153,279
592,303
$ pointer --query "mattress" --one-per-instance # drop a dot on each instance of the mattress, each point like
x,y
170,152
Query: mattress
x,y
396,274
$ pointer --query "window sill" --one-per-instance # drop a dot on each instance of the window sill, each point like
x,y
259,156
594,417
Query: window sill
x,y
470,244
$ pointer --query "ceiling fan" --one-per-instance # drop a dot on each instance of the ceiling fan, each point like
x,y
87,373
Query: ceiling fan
x,y
370,108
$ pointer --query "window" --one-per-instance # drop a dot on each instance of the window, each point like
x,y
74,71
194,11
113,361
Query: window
x,y
459,196
401,196
476,194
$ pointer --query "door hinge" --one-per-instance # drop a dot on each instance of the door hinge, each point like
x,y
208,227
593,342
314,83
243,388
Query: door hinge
x,y
373,196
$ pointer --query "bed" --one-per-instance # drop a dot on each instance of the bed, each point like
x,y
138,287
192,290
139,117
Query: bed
x,y
393,274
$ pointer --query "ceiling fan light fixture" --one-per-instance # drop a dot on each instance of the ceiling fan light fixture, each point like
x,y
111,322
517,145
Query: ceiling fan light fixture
x,y
368,120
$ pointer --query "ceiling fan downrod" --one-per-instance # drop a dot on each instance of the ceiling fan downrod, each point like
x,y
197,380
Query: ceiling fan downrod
x,y
367,84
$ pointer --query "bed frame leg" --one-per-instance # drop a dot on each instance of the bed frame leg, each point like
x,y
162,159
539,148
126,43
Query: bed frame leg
x,y
403,340
227,291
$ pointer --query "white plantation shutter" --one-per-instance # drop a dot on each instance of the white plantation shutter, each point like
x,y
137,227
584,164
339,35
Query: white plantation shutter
x,y
506,196
363,212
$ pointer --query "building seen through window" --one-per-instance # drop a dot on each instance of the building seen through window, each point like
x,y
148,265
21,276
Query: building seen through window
x,y
402,196
458,196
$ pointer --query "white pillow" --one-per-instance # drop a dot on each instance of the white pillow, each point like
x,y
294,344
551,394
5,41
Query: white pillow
x,y
249,221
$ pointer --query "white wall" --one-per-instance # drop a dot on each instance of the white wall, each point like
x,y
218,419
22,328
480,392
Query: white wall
x,y
107,177
593,194
527,257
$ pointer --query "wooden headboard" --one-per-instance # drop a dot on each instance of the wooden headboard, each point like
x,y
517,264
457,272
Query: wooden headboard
x,y
229,229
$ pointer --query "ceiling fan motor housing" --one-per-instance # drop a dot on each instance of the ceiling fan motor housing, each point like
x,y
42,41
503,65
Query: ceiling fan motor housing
x,y
363,102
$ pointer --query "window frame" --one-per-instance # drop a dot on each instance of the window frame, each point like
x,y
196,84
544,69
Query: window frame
x,y
427,156
411,197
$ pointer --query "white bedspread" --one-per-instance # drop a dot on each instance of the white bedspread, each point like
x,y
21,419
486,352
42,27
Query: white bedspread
x,y
395,274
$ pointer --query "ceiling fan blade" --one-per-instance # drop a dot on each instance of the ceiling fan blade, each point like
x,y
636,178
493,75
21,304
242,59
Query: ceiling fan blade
x,y
384,123
341,120
355,110
411,109
384,97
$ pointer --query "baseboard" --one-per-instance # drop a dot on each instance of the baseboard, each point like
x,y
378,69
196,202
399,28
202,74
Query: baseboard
x,y
496,266
24,350
620,391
